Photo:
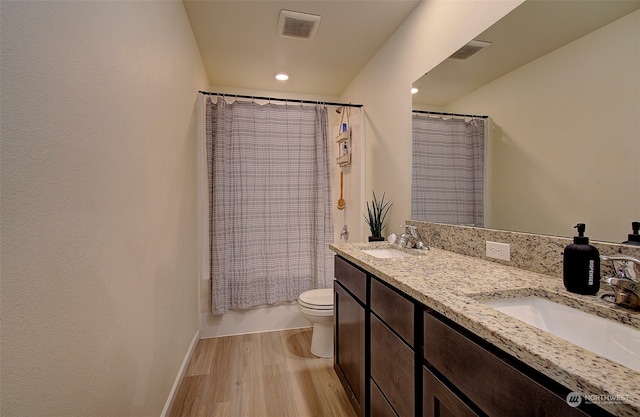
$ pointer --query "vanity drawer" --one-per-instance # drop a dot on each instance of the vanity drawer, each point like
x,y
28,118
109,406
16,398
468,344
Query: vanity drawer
x,y
492,383
352,278
393,308
392,368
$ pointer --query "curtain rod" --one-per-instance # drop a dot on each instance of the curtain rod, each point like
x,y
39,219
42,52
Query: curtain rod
x,y
448,114
280,99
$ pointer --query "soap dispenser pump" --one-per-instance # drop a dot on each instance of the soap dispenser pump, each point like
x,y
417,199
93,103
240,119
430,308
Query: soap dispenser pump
x,y
634,238
581,265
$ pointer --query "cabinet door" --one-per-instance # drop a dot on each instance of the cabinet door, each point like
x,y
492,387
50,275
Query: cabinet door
x,y
349,345
439,401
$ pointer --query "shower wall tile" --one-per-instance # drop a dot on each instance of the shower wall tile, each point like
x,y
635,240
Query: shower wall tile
x,y
352,190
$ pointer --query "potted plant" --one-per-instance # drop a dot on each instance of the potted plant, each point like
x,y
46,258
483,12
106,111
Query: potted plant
x,y
376,215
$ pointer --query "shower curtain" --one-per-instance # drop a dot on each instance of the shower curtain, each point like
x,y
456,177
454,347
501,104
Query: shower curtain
x,y
448,170
269,197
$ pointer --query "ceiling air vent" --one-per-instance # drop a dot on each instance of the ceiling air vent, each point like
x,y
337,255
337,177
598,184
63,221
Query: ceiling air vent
x,y
469,50
297,25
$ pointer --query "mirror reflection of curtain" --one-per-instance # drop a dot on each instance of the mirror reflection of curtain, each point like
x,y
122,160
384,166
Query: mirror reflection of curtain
x,y
269,197
448,170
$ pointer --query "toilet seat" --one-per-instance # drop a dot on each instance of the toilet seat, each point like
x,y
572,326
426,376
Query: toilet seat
x,y
320,299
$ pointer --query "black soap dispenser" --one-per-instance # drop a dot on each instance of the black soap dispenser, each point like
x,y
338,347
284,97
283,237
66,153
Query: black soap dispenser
x,y
634,238
581,266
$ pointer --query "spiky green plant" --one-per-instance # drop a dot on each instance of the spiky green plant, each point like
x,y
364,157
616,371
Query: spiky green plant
x,y
377,213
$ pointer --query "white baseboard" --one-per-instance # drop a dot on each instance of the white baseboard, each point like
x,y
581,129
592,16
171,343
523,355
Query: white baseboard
x,y
183,368
281,316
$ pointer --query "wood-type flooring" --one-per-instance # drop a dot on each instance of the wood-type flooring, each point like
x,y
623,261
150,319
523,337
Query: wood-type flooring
x,y
260,375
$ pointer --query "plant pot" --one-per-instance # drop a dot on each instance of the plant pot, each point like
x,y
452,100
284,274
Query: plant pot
x,y
376,239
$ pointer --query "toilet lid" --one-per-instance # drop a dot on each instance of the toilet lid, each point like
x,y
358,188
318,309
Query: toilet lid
x,y
319,299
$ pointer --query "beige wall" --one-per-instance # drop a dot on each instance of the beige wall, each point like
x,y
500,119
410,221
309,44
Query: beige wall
x,y
565,145
433,31
99,240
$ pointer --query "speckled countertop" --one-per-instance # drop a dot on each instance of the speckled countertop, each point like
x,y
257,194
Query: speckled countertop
x,y
452,284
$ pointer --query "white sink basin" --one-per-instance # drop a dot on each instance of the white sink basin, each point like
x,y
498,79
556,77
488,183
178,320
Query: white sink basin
x,y
607,338
386,253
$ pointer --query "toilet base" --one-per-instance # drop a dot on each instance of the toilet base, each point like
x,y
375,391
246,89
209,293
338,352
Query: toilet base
x,y
322,340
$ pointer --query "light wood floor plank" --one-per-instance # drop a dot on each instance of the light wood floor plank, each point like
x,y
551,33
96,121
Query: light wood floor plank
x,y
260,375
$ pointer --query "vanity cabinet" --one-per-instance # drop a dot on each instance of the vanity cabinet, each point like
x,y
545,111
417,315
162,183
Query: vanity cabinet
x,y
350,299
466,376
396,357
392,371
392,351
374,343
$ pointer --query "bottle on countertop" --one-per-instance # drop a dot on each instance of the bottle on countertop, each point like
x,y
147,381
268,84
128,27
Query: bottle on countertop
x,y
634,238
581,265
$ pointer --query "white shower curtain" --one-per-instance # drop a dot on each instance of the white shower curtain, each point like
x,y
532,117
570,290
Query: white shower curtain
x,y
448,170
269,196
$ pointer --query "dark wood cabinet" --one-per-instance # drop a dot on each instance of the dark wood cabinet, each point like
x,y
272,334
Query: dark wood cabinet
x,y
392,347
488,379
398,358
392,368
351,278
438,400
379,406
350,332
394,309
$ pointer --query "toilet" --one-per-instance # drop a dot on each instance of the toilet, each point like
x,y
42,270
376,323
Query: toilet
x,y
317,307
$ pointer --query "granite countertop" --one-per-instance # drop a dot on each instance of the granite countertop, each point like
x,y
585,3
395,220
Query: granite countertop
x,y
452,284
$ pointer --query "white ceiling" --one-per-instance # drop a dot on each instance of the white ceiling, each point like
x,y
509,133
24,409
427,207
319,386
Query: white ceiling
x,y
532,30
240,46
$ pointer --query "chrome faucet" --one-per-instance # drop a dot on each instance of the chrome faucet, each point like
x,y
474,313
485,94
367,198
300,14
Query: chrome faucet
x,y
626,284
411,238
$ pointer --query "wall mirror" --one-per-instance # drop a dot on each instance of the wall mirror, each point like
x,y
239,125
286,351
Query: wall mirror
x,y
560,81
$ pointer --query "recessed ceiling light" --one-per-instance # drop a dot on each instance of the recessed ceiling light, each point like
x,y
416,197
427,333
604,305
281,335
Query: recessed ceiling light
x,y
281,76
414,90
